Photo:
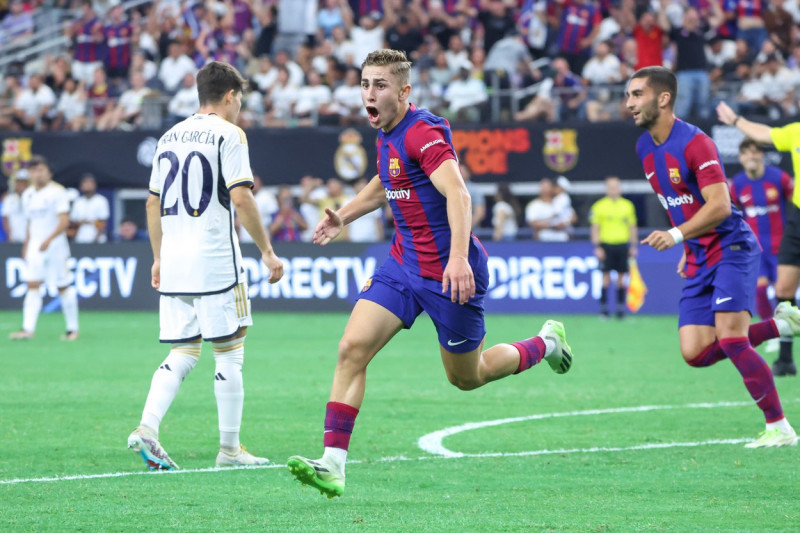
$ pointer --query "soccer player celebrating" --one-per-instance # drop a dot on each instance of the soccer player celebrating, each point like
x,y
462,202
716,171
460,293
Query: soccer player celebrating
x,y
721,255
761,192
45,205
201,171
785,139
435,265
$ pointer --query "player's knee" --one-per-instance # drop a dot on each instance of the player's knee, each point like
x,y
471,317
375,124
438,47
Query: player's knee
x,y
181,360
463,383
352,351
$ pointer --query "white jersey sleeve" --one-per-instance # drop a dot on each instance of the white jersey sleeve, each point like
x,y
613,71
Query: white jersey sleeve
x,y
236,160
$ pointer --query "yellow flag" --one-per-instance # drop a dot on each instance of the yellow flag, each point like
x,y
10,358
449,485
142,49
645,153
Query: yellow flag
x,y
636,287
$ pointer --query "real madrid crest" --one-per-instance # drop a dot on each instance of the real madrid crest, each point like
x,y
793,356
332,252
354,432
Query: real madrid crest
x,y
350,159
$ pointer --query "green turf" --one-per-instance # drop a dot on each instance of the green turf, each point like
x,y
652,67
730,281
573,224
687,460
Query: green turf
x,y
67,408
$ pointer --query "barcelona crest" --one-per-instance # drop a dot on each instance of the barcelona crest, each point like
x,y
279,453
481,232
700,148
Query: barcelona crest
x,y
561,149
394,166
675,175
16,154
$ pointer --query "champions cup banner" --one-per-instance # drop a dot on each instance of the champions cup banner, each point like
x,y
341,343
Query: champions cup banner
x,y
526,277
513,153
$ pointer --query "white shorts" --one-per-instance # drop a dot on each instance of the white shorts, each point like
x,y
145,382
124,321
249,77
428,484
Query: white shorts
x,y
212,317
49,266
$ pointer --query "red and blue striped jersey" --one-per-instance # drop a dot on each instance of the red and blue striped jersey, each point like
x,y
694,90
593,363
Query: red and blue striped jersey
x,y
749,8
407,156
763,201
118,41
678,170
577,22
88,48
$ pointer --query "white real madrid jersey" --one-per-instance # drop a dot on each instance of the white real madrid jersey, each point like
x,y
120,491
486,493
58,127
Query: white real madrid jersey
x,y
196,164
42,208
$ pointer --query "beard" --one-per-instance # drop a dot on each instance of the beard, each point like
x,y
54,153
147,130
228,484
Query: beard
x,y
648,115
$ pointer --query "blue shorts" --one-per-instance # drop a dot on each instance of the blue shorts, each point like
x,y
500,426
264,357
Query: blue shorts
x,y
730,285
769,267
461,328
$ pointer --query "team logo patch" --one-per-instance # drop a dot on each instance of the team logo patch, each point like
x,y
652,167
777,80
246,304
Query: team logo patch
x,y
16,154
367,285
394,166
560,149
772,194
675,175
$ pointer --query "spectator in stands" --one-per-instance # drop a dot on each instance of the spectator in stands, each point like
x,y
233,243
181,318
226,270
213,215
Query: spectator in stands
x,y
266,75
347,99
457,54
369,34
465,96
650,38
296,74
436,21
542,216
476,196
330,15
148,68
779,86
694,83
504,58
629,58
129,231
570,94
16,27
71,107
118,34
185,103
89,214
218,42
175,66
505,214
427,93
403,36
102,97
562,203
35,105
532,25
750,23
368,227
57,69
127,114
242,15
602,73
496,19
779,25
87,43
440,71
578,27
313,100
266,12
718,52
343,48
287,224
267,207
280,100
15,224
312,191
11,90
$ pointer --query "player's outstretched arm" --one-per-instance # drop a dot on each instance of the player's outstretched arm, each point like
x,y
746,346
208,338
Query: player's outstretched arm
x,y
367,200
153,209
756,131
247,209
458,276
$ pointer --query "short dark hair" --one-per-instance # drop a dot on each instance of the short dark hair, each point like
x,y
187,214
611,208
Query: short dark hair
x,y
750,143
37,160
215,79
661,80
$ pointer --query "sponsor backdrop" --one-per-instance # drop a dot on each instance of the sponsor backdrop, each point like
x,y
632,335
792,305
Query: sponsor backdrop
x,y
514,153
525,277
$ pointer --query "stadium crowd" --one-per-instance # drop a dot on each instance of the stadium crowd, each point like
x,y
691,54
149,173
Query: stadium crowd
x,y
131,65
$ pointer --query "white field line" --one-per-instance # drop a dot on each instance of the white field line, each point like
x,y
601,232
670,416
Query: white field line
x,y
431,438
432,442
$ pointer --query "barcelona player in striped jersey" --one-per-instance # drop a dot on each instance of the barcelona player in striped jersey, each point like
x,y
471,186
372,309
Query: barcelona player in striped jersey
x,y
761,192
435,265
721,256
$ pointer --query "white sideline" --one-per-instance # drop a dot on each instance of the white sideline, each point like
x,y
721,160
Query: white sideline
x,y
429,442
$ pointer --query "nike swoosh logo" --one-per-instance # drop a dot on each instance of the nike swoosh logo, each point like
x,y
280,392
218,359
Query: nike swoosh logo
x,y
723,300
746,198
451,343
650,174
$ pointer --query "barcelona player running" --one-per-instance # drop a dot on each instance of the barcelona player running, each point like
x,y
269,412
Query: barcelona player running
x,y
435,265
721,255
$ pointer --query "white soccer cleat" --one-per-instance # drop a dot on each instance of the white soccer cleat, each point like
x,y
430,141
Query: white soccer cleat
x,y
70,336
772,438
21,335
145,443
243,458
790,314
560,359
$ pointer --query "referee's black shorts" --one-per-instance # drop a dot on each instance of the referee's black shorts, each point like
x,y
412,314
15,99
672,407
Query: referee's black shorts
x,y
616,257
789,251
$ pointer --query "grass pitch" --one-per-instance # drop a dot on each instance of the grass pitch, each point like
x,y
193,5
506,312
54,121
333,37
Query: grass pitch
x,y
66,409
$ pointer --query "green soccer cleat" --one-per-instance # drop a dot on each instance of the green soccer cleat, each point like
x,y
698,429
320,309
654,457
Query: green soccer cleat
x,y
560,359
790,314
317,473
243,458
772,438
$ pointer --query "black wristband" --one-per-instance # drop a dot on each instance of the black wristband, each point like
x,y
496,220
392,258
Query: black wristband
x,y
736,120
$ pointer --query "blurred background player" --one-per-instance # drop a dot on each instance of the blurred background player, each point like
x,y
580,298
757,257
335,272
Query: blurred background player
x,y
435,265
14,222
615,239
90,212
721,256
761,192
785,139
208,301
46,250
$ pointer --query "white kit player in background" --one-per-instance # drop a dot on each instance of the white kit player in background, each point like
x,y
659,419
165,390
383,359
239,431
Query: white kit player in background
x,y
90,213
14,222
46,250
201,172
